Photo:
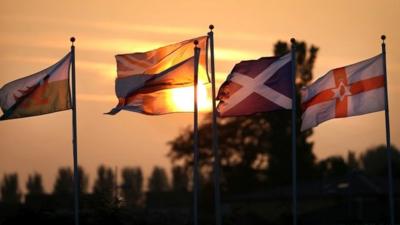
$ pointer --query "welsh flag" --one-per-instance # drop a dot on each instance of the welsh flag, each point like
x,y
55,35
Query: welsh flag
x,y
44,92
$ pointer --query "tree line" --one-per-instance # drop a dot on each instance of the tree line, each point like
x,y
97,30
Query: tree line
x,y
130,191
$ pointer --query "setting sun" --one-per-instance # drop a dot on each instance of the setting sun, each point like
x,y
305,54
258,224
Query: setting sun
x,y
182,98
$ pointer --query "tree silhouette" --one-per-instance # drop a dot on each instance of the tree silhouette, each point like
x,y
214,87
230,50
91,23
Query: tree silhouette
x,y
132,184
34,184
105,184
158,181
64,184
256,149
180,179
83,180
10,192
374,161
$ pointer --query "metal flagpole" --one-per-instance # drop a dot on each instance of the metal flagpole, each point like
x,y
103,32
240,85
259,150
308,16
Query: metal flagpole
x,y
294,142
74,135
195,137
388,149
217,196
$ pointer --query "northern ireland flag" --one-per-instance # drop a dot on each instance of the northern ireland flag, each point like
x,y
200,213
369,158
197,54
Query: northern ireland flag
x,y
257,86
44,92
347,91
145,81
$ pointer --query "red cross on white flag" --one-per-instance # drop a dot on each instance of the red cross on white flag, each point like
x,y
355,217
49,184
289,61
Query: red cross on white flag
x,y
347,91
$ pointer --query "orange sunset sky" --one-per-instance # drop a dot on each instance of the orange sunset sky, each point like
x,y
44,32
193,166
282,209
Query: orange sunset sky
x,y
35,34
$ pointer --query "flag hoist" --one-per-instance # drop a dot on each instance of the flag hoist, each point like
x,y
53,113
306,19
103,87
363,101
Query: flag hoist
x,y
388,144
294,130
195,137
74,135
44,92
216,165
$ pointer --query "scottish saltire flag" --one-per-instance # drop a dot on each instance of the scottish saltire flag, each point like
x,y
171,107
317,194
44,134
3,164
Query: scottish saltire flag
x,y
257,86
347,91
145,80
44,92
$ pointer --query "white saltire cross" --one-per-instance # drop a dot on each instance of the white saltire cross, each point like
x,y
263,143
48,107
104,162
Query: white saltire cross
x,y
256,85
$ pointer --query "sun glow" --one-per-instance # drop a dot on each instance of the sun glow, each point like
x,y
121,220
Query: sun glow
x,y
182,98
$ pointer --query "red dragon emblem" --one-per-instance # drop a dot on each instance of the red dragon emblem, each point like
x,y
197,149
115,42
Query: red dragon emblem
x,y
36,95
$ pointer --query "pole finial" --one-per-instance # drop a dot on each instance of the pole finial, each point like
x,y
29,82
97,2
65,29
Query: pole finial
x,y
383,37
293,41
211,27
72,39
196,42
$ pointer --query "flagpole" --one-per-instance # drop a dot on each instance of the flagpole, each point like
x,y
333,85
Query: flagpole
x,y
74,135
195,138
217,195
388,149
294,142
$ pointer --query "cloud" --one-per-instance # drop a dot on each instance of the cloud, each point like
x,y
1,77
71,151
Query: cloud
x,y
51,39
121,27
227,54
107,70
115,46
